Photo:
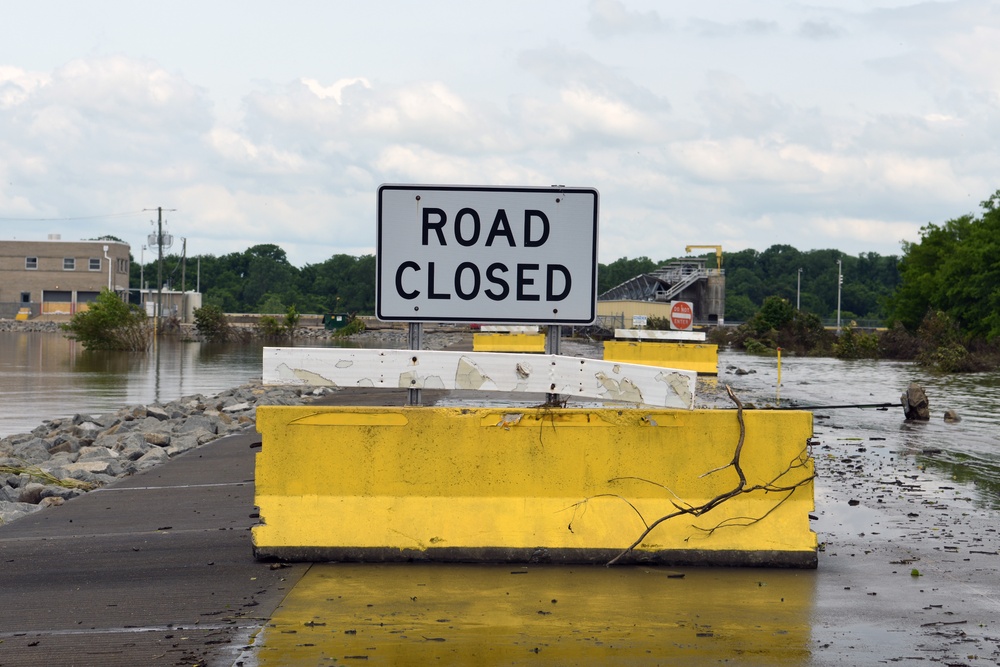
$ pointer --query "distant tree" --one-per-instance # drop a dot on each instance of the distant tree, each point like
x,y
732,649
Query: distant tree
x,y
621,270
739,308
954,269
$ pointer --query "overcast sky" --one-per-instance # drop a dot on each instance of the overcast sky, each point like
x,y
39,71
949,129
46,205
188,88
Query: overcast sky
x,y
841,124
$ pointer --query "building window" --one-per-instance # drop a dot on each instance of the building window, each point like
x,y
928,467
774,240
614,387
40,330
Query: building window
x,y
95,263
25,297
122,266
69,264
31,263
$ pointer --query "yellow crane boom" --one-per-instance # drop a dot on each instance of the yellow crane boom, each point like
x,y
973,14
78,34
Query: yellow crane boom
x,y
718,252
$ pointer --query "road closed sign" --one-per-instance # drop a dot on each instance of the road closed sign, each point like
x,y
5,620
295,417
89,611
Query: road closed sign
x,y
450,253
681,315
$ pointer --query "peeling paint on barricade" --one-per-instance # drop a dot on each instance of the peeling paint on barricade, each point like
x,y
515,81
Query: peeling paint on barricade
x,y
678,384
484,371
488,484
299,376
614,390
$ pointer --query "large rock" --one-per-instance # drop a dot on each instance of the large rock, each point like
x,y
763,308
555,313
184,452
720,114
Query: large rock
x,y
33,451
154,457
196,423
11,511
157,412
915,403
132,446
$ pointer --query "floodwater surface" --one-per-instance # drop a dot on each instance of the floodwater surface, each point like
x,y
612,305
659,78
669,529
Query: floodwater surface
x,y
46,375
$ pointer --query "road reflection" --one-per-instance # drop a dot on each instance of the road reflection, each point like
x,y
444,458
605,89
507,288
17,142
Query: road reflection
x,y
419,614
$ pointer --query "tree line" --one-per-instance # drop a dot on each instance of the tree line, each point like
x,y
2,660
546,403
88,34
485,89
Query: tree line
x,y
869,280
954,268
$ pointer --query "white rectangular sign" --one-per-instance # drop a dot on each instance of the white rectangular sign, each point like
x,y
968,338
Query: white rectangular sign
x,y
452,253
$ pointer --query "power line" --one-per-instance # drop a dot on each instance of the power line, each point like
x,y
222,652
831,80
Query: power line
x,y
86,217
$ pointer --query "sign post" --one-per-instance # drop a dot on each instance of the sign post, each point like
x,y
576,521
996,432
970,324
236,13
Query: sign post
x,y
486,254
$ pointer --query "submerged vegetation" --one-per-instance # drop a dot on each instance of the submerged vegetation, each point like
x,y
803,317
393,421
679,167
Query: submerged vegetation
x,y
111,324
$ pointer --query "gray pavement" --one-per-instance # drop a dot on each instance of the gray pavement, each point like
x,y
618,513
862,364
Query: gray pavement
x,y
156,569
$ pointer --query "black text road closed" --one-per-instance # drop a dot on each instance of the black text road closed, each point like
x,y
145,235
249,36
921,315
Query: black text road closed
x,y
487,254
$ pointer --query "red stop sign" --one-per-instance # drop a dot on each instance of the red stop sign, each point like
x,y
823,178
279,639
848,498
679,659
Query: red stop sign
x,y
681,315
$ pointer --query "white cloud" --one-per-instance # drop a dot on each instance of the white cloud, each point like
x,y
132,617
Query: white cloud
x,y
610,18
336,90
17,85
698,123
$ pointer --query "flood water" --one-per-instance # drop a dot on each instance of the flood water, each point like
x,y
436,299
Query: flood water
x,y
45,375
965,451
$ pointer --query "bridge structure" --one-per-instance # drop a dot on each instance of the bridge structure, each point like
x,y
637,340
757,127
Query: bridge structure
x,y
681,280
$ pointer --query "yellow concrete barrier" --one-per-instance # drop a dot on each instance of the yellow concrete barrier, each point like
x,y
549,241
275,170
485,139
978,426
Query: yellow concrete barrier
x,y
702,358
513,342
533,485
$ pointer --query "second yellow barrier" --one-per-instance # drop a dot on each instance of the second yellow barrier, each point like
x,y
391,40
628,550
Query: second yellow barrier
x,y
512,342
530,485
702,358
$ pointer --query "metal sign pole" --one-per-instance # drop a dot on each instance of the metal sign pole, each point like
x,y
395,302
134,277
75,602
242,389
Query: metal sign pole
x,y
415,340
552,337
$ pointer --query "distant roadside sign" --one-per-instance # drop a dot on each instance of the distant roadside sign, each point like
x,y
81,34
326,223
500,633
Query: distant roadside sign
x,y
451,253
639,320
681,315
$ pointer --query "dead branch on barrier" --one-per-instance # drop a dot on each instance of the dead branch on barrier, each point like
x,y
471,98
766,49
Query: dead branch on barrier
x,y
681,508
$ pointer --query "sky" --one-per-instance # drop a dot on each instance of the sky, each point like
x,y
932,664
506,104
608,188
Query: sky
x,y
844,124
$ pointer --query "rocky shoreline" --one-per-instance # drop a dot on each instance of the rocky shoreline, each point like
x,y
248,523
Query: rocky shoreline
x,y
64,458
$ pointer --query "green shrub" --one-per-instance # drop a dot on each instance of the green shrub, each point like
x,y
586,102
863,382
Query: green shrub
x,y
269,327
854,344
111,324
212,324
899,343
754,346
292,318
353,326
658,323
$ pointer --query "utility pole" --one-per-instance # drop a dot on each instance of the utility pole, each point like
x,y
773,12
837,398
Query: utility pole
x,y
798,292
159,266
840,281
184,297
